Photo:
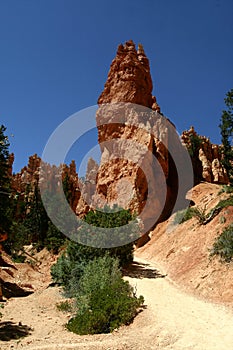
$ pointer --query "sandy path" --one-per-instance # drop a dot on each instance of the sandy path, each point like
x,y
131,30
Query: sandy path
x,y
192,323
172,320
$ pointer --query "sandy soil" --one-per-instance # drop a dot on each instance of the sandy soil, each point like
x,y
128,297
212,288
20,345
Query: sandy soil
x,y
171,320
184,250
174,274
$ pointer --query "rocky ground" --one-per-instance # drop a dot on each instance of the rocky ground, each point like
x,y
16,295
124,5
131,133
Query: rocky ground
x,y
171,320
188,297
184,250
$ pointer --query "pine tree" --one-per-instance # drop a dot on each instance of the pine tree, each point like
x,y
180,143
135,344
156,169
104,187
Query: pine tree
x,y
37,220
5,194
69,267
226,126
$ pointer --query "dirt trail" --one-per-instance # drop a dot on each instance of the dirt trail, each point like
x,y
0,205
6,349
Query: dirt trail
x,y
190,322
171,320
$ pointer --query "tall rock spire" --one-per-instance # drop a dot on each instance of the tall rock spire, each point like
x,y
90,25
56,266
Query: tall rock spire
x,y
129,78
136,171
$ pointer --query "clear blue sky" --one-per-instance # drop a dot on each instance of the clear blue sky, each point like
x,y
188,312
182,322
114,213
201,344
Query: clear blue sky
x,y
55,56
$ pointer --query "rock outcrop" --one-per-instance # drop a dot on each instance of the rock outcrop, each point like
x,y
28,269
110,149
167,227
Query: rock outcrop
x,y
136,169
129,78
206,158
25,182
87,188
28,176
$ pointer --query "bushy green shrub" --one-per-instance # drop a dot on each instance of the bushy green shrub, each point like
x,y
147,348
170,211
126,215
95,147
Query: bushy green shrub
x,y
69,267
184,215
223,245
222,219
195,143
65,306
104,300
226,189
187,214
225,203
226,127
200,214
110,227
54,238
21,236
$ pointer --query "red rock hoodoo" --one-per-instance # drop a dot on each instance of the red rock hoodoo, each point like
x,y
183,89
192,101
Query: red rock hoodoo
x,y
134,140
206,158
25,182
129,78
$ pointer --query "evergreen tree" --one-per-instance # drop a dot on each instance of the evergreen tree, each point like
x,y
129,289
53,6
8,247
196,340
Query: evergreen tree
x,y
69,267
37,220
226,126
67,188
5,193
54,238
123,228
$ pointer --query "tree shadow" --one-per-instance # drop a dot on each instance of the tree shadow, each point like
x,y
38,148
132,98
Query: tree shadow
x,y
140,270
10,290
10,330
4,263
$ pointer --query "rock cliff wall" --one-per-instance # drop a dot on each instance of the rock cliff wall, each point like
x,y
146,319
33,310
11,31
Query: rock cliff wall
x,y
136,169
25,182
206,158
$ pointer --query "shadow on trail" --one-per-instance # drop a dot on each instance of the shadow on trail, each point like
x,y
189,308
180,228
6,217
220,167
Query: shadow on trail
x,y
12,290
10,330
141,270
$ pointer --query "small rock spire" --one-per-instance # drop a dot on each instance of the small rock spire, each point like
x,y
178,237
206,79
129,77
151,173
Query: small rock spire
x,y
140,50
129,78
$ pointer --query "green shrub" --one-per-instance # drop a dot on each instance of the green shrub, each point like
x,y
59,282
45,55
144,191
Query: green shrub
x,y
200,215
223,245
104,300
18,237
122,228
222,219
65,306
225,203
195,143
184,215
226,189
71,263
69,267
17,258
54,238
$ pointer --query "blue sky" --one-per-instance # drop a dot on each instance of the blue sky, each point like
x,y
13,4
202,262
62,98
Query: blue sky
x,y
55,56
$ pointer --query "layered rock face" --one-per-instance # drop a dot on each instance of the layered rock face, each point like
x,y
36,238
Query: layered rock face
x,y
206,158
136,169
87,188
29,175
129,78
142,158
25,182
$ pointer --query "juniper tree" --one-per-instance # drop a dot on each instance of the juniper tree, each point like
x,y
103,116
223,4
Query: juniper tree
x,y
226,127
5,194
